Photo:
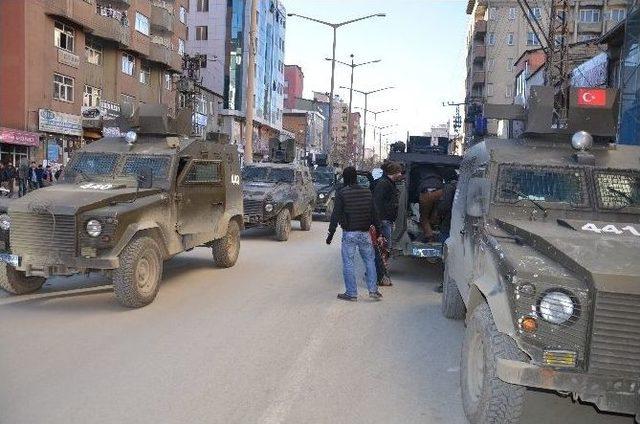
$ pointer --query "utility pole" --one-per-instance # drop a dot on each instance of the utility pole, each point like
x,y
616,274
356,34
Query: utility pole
x,y
251,76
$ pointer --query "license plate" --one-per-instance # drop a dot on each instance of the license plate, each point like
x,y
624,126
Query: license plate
x,y
7,258
427,251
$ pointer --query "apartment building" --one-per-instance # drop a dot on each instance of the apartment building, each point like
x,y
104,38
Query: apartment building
x,y
499,33
67,66
293,85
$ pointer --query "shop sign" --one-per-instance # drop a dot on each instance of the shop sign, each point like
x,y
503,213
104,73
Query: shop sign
x,y
68,58
53,151
22,138
109,109
111,132
60,123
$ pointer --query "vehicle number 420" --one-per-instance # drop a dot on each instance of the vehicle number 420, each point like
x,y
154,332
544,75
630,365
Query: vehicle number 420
x,y
235,179
611,229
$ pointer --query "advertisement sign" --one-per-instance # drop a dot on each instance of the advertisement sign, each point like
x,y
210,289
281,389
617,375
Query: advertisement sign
x,y
111,132
60,123
22,138
53,151
109,109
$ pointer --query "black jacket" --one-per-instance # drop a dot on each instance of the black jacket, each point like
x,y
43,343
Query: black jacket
x,y
385,197
354,210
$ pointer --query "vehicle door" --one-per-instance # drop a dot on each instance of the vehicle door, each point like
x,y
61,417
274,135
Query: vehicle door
x,y
309,188
200,196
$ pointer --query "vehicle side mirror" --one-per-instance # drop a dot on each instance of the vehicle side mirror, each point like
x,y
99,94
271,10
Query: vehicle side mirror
x,y
478,192
145,178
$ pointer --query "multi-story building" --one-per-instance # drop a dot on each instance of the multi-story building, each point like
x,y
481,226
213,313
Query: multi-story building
x,y
499,33
293,85
307,128
61,58
219,29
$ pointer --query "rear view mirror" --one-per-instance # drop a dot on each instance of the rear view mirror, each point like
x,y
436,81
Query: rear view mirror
x,y
145,178
478,193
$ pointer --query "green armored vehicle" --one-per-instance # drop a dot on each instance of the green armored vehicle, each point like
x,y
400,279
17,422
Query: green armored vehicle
x,y
125,205
543,260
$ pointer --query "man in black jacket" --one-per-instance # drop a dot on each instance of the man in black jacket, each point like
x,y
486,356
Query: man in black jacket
x,y
355,212
385,197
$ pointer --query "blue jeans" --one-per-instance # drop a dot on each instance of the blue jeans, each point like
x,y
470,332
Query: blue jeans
x,y
387,229
360,240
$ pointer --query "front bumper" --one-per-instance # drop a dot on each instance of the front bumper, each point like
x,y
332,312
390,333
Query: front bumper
x,y
608,393
59,265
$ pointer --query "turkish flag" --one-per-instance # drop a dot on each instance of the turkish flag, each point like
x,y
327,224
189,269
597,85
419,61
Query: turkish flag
x,y
592,97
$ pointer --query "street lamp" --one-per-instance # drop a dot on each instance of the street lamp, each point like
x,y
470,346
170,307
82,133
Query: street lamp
x,y
375,118
380,136
335,27
366,97
353,66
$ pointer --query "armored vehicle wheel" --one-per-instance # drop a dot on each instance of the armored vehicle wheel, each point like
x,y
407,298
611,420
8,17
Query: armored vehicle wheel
x,y
137,280
487,399
283,225
305,219
226,250
329,211
452,304
15,282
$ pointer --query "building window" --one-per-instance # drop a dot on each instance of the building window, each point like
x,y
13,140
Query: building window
x,y
532,39
128,63
92,96
489,90
510,39
535,13
181,46
142,23
63,36
200,104
167,81
62,88
617,15
508,93
126,99
182,100
93,52
589,16
202,32
512,13
183,15
145,74
491,38
491,64
202,6
493,12
510,64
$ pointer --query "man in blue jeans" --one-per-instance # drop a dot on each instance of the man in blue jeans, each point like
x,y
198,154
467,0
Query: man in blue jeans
x,y
354,211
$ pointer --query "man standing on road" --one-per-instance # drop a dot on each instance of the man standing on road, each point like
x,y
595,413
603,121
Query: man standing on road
x,y
23,177
355,212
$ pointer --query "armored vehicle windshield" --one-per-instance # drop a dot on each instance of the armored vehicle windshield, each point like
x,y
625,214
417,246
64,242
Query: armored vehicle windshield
x,y
265,174
323,176
103,165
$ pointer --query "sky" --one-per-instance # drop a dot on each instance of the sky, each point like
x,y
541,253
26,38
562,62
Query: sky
x,y
422,45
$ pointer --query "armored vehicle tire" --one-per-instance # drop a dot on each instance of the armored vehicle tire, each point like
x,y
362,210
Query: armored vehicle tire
x,y
137,280
283,225
452,304
226,250
305,219
329,210
15,282
485,398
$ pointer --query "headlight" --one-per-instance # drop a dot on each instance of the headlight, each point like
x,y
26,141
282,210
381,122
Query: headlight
x,y
5,222
321,196
94,227
268,207
556,307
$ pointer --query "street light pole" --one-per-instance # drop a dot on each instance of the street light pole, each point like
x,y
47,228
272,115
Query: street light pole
x,y
335,27
248,145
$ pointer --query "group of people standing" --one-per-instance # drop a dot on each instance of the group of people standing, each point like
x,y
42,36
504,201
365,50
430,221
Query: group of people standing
x,y
27,177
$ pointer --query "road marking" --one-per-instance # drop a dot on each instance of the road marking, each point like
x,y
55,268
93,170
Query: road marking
x,y
62,293
293,383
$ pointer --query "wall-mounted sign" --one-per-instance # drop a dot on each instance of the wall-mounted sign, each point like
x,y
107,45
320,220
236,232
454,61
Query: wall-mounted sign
x,y
68,58
22,138
111,132
60,123
53,151
109,109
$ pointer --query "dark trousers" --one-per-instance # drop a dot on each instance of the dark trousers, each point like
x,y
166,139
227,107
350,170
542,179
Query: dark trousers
x,y
23,186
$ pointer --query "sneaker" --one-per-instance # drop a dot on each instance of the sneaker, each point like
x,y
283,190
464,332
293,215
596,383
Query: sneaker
x,y
385,282
375,295
344,296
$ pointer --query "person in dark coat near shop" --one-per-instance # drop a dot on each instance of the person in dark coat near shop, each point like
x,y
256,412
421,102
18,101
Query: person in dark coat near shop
x,y
9,177
36,174
23,177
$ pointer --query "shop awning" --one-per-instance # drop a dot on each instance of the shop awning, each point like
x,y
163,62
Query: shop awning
x,y
19,137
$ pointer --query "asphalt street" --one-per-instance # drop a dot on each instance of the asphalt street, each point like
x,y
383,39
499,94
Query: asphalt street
x,y
263,342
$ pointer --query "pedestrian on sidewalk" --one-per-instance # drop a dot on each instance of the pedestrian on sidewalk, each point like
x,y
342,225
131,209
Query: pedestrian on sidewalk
x,y
355,212
23,177
10,175
385,198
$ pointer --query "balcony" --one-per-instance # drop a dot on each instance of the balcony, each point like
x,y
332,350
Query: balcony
x,y
478,77
163,53
110,26
480,28
590,27
161,17
78,12
120,4
479,52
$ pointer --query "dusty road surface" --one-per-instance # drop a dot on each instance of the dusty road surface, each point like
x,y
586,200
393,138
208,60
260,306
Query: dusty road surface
x,y
264,342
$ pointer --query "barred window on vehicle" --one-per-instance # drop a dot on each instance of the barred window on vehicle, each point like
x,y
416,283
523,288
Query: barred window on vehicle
x,y
542,184
204,172
617,189
159,165
88,163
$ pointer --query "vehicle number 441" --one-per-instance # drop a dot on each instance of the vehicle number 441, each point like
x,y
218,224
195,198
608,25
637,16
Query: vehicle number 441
x,y
611,229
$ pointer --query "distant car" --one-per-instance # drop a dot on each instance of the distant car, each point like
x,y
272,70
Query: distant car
x,y
276,193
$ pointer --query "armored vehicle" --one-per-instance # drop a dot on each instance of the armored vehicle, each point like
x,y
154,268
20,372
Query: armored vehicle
x,y
543,261
277,192
125,205
325,180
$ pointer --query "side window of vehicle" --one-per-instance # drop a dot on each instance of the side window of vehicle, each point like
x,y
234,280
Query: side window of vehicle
x,y
204,172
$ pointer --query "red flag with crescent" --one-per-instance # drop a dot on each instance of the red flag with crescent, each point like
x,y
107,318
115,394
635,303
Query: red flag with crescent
x,y
592,97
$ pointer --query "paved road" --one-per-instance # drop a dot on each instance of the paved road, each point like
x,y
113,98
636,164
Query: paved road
x,y
264,342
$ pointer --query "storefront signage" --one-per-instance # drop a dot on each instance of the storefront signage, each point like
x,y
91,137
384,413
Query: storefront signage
x,y
53,151
111,132
68,58
22,138
109,109
60,123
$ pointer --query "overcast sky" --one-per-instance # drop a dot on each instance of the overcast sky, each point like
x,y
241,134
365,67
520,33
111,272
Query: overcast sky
x,y
422,44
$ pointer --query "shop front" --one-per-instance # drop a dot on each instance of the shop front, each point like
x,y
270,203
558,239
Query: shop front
x,y
16,145
62,135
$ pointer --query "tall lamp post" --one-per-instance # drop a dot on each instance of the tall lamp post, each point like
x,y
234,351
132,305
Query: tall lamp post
x,y
353,66
380,136
366,98
375,118
335,27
